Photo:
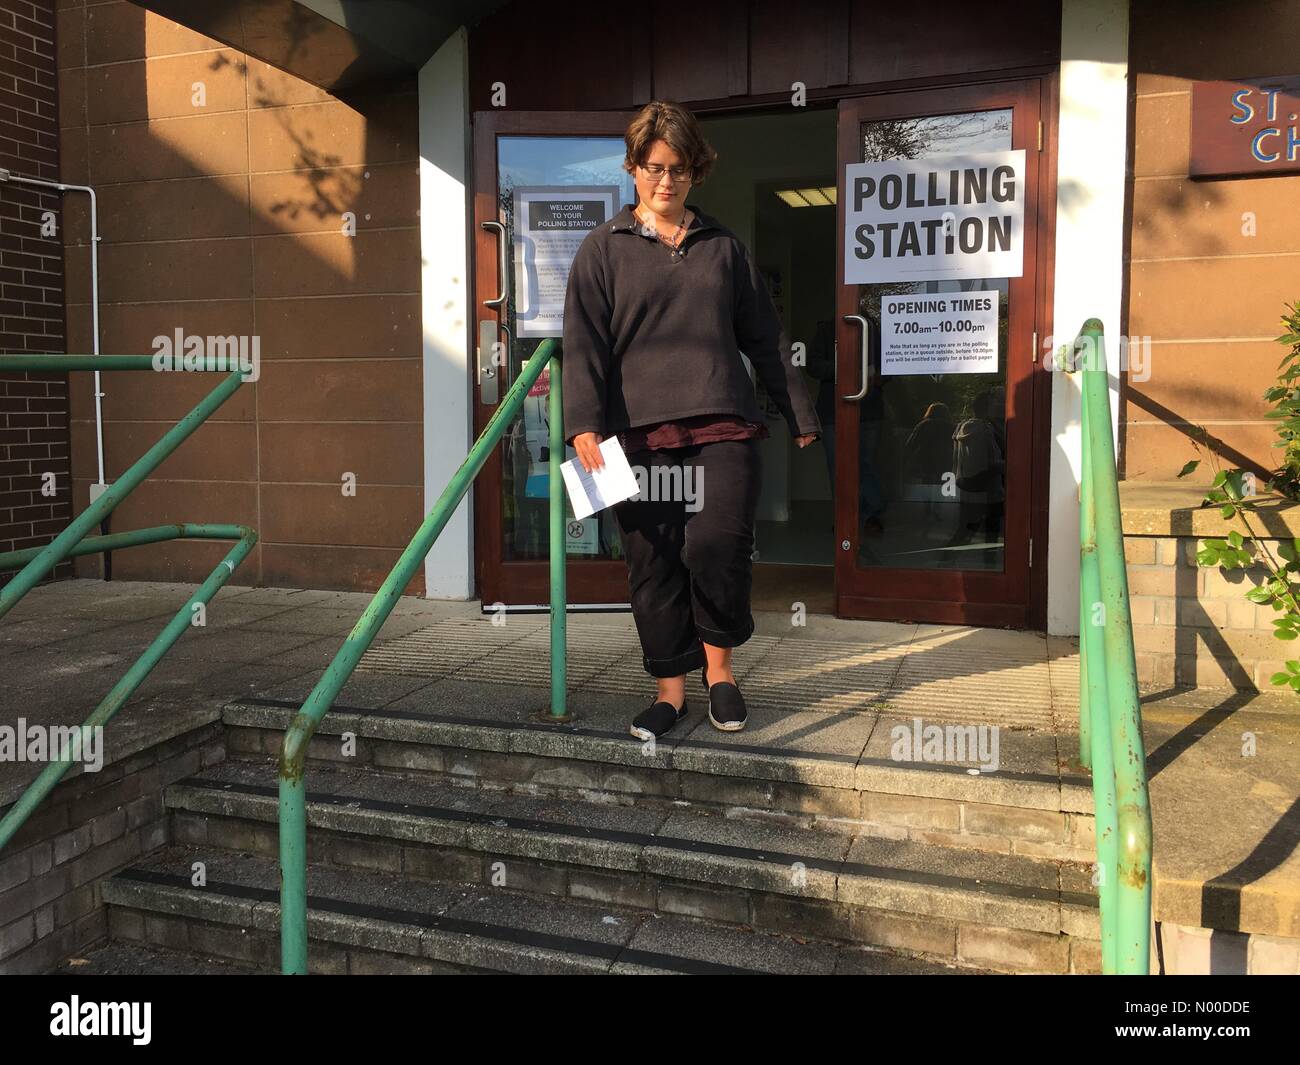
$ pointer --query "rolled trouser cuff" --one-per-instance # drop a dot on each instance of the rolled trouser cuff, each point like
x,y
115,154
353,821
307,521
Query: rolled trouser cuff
x,y
725,637
676,666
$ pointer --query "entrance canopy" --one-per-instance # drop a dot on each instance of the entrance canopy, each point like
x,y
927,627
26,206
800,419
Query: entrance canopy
x,y
339,45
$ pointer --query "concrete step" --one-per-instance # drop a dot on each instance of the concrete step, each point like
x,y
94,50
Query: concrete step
x,y
1004,910
1030,806
380,923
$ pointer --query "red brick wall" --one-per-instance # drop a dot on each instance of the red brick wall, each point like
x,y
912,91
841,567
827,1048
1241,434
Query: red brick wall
x,y
33,409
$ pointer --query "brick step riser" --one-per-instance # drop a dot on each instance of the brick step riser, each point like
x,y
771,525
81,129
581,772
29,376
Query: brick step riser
x,y
990,945
1054,834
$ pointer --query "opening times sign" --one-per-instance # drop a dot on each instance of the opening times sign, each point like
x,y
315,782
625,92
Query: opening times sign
x,y
942,218
941,333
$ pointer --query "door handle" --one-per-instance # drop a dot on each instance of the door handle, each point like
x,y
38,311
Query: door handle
x,y
490,372
502,265
866,341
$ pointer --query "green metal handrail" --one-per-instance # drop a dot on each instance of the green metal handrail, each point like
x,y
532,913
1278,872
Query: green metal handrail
x,y
1110,716
37,562
293,753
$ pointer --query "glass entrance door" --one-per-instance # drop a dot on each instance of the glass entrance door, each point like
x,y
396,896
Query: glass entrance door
x,y
934,409
529,157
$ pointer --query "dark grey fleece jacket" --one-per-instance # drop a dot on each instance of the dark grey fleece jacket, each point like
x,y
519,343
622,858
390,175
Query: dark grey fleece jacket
x,y
651,335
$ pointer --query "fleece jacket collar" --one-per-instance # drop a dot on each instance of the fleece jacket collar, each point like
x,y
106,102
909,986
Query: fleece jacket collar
x,y
626,221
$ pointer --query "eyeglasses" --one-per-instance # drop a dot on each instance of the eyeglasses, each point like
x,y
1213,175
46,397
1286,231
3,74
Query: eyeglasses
x,y
655,172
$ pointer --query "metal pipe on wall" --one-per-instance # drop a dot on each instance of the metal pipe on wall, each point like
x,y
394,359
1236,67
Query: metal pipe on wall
x,y
61,186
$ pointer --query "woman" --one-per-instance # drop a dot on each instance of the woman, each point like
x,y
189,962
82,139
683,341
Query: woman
x,y
660,303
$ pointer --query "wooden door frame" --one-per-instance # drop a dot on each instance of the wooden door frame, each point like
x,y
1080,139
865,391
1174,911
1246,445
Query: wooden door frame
x,y
947,596
525,581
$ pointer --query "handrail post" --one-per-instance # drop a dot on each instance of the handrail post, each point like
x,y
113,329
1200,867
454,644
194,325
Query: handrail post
x,y
559,545
293,866
1093,700
1109,689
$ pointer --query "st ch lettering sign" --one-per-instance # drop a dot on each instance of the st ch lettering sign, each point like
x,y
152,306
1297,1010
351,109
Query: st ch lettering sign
x,y
1246,127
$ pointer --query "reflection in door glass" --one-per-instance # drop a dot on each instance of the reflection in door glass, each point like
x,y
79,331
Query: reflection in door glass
x,y
932,447
525,482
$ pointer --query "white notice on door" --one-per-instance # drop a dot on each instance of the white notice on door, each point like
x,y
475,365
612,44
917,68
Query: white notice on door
x,y
941,332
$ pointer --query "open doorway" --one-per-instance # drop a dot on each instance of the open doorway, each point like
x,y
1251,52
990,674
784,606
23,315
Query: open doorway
x,y
774,187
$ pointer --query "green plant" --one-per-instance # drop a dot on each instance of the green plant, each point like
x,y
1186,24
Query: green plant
x,y
1285,397
1233,492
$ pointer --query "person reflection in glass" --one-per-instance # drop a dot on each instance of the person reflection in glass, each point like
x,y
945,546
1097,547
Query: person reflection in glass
x,y
979,464
927,455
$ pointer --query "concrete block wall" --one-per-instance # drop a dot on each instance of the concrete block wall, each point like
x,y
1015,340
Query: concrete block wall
x,y
89,827
1209,952
1211,354
236,200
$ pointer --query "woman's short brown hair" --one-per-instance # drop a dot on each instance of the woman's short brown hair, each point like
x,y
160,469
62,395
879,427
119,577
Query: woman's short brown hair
x,y
675,126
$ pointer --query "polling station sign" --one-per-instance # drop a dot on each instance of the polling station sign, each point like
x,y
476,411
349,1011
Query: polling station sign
x,y
943,218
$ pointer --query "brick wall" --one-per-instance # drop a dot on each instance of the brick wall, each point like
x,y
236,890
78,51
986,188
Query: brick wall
x,y
1195,626
33,410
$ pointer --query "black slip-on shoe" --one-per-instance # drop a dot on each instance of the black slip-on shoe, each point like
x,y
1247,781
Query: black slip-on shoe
x,y
656,719
726,705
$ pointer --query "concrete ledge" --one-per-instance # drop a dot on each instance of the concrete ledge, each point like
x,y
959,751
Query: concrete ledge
x,y
1174,508
1032,779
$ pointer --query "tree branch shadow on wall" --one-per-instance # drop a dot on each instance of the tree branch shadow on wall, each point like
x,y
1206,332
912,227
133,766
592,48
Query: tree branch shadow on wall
x,y
329,192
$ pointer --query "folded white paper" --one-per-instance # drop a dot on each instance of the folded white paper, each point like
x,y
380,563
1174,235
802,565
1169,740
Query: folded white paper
x,y
612,483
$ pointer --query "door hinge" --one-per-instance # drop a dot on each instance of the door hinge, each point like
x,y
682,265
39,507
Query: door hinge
x,y
1031,550
1035,359
1040,136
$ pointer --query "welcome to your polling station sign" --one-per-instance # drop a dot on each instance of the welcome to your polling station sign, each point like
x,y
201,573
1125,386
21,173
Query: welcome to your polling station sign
x,y
941,218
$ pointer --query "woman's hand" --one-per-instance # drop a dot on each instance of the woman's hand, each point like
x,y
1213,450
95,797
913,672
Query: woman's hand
x,y
802,441
587,445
